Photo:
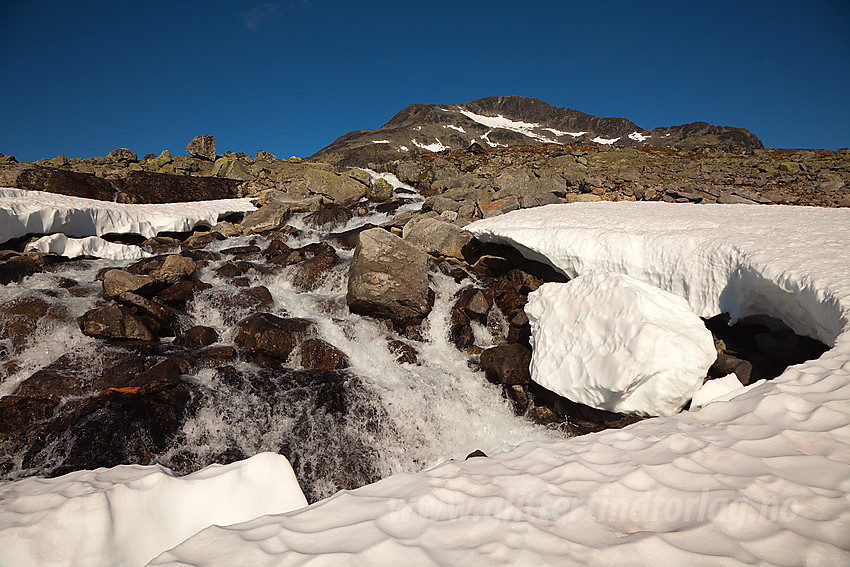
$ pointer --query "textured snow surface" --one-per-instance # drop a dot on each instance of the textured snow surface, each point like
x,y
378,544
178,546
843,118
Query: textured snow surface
x,y
762,478
36,212
88,246
720,388
613,342
128,514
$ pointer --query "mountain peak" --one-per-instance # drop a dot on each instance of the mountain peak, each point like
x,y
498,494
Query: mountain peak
x,y
499,121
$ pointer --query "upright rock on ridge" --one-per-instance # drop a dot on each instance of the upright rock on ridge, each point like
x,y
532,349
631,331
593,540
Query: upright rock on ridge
x,y
202,146
388,279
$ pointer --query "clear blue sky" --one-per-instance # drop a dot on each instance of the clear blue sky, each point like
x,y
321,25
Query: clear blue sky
x,y
289,76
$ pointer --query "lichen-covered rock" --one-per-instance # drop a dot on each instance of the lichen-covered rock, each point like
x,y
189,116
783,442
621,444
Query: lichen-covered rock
x,y
388,279
202,146
438,238
122,155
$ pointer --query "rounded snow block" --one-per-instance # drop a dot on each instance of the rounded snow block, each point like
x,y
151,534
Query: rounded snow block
x,y
616,343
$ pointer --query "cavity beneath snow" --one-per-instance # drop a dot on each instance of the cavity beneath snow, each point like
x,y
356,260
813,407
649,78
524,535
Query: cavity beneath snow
x,y
616,343
36,212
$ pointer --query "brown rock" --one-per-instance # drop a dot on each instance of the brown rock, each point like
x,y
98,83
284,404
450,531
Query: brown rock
x,y
507,364
320,355
269,335
114,322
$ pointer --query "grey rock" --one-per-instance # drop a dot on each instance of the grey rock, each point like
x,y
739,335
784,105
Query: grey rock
x,y
438,238
388,279
122,155
116,282
202,146
113,322
273,216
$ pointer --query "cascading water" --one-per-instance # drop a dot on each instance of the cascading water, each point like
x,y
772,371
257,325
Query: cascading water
x,y
339,428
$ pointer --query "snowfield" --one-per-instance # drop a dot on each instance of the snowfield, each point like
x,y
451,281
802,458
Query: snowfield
x,y
36,212
763,478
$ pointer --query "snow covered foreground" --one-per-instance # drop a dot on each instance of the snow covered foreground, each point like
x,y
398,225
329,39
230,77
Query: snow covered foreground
x,y
25,212
760,479
128,514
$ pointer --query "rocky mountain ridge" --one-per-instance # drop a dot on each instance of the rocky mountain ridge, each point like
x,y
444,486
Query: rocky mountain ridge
x,y
494,122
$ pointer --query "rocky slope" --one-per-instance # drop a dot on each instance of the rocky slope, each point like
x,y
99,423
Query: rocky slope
x,y
513,120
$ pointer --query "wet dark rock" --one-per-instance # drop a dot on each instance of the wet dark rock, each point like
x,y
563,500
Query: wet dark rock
x,y
117,427
460,330
15,267
388,279
268,335
348,239
474,303
329,217
507,364
178,294
161,319
320,355
316,261
19,319
75,374
197,337
241,251
228,270
114,322
405,353
202,240
579,419
18,412
251,299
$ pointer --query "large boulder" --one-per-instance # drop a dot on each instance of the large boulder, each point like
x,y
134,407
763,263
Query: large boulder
x,y
202,146
114,322
53,180
507,364
388,279
341,189
437,237
150,187
267,335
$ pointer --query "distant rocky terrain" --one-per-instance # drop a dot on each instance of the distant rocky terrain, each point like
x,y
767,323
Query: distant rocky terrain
x,y
495,122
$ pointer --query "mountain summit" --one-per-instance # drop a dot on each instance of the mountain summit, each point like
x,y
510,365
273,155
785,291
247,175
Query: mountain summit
x,y
500,121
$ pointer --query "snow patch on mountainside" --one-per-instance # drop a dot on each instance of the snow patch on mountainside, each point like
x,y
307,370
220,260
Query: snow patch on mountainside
x,y
499,121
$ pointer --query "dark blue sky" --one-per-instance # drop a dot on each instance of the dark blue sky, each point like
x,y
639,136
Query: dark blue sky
x,y
83,78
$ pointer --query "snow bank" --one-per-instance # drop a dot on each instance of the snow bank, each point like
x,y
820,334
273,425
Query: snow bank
x,y
720,388
36,212
128,514
89,246
762,478
615,343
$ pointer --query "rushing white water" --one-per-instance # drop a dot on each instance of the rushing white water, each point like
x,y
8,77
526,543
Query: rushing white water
x,y
399,416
